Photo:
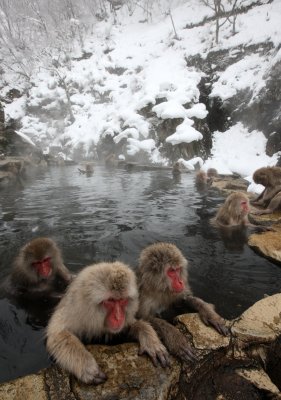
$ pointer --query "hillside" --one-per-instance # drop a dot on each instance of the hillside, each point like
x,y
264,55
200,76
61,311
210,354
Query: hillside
x,y
162,89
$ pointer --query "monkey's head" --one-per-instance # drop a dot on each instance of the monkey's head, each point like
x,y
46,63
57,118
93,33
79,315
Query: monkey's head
x,y
40,257
162,266
262,176
212,173
237,204
113,289
201,178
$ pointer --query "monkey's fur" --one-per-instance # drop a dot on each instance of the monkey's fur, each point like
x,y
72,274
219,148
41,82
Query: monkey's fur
x,y
176,170
270,198
81,314
231,213
25,281
156,296
205,179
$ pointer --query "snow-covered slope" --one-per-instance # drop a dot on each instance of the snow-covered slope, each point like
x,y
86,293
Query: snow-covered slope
x,y
135,64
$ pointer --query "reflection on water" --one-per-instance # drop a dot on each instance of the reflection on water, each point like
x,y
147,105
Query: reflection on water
x,y
113,215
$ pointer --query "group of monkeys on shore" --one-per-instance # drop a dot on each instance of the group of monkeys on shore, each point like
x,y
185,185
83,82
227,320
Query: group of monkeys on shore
x,y
236,208
108,298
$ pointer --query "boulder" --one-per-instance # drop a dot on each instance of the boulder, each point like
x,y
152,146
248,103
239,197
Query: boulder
x,y
243,366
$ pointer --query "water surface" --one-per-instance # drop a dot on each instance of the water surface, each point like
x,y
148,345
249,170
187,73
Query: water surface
x,y
113,215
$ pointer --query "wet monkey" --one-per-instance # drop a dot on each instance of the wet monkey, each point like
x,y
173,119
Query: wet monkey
x,y
38,270
205,179
103,299
163,283
176,170
234,211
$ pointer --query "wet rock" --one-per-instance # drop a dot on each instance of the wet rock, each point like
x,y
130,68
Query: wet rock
x,y
130,377
28,388
261,323
243,366
268,244
229,184
204,337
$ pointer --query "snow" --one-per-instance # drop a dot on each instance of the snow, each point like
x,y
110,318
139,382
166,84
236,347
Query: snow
x,y
185,133
135,64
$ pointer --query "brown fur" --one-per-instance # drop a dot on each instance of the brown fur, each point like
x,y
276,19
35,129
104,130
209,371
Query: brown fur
x,y
156,296
26,281
270,178
110,160
212,173
201,178
89,169
80,313
176,170
204,179
231,213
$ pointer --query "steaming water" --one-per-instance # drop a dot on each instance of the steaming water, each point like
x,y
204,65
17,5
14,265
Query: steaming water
x,y
113,215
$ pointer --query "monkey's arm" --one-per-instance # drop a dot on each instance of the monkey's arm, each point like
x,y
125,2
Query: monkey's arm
x,y
266,196
258,198
71,354
207,313
149,342
173,339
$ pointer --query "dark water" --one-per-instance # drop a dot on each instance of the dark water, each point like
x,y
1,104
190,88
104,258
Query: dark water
x,y
113,215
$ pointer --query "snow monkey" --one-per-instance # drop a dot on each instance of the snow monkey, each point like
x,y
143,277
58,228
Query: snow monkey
x,y
163,283
176,170
102,299
270,198
234,211
204,179
38,270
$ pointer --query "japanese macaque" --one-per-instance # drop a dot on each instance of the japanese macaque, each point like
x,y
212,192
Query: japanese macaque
x,y
204,179
163,283
176,170
102,300
38,270
212,173
111,161
89,169
270,198
234,211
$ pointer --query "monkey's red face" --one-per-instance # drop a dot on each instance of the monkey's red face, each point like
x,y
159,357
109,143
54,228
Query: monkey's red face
x,y
43,267
244,206
115,313
174,276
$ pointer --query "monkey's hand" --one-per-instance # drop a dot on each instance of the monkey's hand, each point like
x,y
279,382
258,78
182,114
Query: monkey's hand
x,y
157,352
210,317
150,342
90,372
175,341
208,314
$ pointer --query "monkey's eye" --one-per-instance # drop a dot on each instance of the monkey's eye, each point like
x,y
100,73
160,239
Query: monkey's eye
x,y
243,203
173,271
111,303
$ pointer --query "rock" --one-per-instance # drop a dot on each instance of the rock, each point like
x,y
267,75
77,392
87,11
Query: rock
x,y
229,184
130,377
243,366
268,243
204,337
261,323
28,388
